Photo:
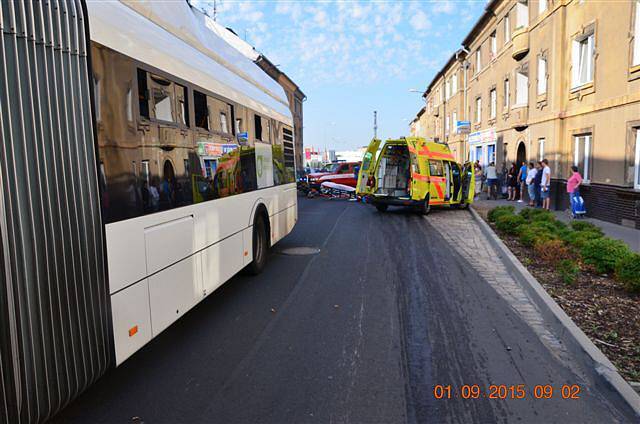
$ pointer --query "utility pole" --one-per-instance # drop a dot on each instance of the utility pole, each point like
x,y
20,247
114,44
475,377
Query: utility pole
x,y
375,124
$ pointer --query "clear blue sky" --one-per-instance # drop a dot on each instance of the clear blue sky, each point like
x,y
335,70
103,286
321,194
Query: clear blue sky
x,y
353,57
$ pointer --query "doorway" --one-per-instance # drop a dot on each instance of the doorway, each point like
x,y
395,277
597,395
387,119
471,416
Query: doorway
x,y
521,156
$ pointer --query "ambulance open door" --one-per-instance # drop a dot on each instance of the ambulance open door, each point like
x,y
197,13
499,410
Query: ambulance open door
x,y
367,169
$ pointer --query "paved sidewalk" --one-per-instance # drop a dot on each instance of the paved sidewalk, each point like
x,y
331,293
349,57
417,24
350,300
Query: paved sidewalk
x,y
628,235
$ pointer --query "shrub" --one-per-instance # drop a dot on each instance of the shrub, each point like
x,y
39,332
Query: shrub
x,y
498,211
603,253
509,224
568,271
543,215
551,250
628,272
530,234
586,226
579,238
536,214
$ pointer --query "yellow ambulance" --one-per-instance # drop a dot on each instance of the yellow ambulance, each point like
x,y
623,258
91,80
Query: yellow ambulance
x,y
414,172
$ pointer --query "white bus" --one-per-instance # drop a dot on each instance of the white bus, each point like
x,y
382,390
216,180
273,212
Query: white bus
x,y
144,162
196,162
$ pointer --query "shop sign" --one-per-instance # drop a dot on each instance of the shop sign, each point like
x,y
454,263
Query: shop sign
x,y
483,137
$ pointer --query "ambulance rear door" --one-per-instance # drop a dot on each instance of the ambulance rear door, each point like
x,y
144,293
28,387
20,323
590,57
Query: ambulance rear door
x,y
468,184
419,172
367,169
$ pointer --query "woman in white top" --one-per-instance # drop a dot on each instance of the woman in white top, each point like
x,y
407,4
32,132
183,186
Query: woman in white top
x,y
531,186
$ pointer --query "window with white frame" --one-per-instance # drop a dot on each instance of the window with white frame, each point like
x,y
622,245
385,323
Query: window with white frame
x,y
541,148
454,84
507,28
494,45
446,124
542,75
478,110
636,35
447,89
522,14
507,94
522,87
582,59
542,6
478,60
454,119
636,180
493,95
582,154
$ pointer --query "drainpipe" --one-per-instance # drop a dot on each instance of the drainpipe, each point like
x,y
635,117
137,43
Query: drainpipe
x,y
465,65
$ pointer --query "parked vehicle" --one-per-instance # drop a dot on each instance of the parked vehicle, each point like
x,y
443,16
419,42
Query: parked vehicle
x,y
337,172
414,172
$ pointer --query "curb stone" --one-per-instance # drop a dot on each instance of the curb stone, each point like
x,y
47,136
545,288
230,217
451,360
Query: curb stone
x,y
561,321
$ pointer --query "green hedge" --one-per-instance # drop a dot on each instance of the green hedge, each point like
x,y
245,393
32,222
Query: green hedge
x,y
604,253
568,271
628,272
509,224
499,211
586,226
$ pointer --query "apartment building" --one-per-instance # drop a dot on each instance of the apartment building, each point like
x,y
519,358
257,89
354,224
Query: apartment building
x,y
444,99
559,79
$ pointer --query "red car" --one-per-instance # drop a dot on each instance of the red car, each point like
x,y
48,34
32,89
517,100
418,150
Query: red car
x,y
338,172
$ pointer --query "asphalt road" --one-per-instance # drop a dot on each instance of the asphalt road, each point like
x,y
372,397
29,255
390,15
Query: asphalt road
x,y
360,332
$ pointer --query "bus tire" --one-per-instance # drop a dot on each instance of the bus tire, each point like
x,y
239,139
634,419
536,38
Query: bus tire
x,y
260,245
425,207
382,207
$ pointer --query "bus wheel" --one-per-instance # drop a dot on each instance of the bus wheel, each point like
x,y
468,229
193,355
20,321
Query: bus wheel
x,y
260,246
425,207
382,207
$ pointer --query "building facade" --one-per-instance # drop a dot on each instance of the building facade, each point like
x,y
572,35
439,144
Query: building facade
x,y
557,79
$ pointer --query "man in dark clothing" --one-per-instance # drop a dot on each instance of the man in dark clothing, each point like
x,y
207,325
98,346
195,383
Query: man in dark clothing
x,y
537,182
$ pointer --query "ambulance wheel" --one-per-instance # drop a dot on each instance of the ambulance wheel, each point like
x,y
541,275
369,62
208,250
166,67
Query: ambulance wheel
x,y
425,207
463,205
382,207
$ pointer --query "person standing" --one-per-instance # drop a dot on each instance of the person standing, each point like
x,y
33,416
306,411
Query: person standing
x,y
537,182
522,177
512,182
573,188
531,184
492,181
545,185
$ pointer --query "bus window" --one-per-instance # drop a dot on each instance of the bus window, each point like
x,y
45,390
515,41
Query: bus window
x,y
258,126
201,110
143,94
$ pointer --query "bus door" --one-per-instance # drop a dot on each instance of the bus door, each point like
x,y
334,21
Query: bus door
x,y
364,186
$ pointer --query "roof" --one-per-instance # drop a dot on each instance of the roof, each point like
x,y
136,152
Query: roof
x,y
186,43
480,23
443,70
421,112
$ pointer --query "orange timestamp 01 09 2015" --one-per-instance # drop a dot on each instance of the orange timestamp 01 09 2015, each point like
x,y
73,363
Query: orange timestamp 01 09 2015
x,y
507,391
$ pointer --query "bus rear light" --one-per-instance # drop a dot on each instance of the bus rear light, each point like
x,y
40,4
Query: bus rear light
x,y
133,330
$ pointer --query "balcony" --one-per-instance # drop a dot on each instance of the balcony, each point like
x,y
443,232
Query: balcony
x,y
520,117
520,40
